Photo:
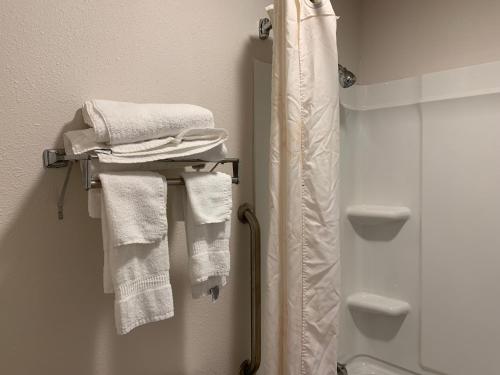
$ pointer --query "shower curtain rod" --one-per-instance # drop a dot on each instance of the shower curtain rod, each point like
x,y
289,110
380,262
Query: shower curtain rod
x,y
346,77
265,27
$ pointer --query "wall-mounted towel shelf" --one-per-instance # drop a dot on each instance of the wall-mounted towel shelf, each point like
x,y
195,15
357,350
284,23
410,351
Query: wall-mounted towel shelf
x,y
57,158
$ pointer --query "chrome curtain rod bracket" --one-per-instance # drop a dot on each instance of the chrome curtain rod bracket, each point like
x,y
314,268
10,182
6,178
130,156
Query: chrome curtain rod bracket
x,y
265,27
57,158
346,77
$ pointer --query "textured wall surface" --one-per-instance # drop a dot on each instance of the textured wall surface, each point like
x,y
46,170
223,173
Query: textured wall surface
x,y
54,318
408,38
349,32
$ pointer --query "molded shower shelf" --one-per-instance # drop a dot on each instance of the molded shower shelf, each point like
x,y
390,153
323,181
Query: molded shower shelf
x,y
365,214
375,303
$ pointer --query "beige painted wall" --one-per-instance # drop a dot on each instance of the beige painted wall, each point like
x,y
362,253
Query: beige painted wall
x,y
349,32
54,318
403,38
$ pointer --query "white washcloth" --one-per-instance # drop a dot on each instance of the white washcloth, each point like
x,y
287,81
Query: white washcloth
x,y
120,122
208,206
189,143
137,273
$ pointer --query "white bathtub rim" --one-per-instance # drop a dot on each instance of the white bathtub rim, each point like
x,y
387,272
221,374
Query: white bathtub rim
x,y
470,81
360,364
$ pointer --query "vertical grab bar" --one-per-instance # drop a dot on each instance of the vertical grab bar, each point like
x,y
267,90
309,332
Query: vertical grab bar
x,y
246,215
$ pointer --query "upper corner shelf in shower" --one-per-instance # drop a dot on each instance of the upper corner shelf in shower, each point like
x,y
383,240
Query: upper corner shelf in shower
x,y
374,303
372,214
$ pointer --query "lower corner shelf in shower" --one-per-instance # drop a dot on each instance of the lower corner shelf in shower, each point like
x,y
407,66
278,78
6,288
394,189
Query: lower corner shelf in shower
x,y
377,304
372,214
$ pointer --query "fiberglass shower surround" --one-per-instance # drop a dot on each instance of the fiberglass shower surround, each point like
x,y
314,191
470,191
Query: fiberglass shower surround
x,y
419,234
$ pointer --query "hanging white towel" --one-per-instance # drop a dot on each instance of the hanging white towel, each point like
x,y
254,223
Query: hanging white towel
x,y
208,206
121,122
187,144
137,203
136,259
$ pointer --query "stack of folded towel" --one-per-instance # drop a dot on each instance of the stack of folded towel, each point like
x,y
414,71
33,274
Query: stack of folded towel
x,y
136,133
132,204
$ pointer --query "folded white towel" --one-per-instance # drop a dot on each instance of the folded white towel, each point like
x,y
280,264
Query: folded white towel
x,y
189,143
208,205
120,122
138,272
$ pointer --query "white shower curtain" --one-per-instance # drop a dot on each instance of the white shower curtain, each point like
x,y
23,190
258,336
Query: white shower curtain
x,y
302,270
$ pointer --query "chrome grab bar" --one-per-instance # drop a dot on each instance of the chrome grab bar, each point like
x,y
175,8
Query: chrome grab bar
x,y
247,215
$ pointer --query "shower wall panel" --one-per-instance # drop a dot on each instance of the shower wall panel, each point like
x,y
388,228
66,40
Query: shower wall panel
x,y
461,235
430,144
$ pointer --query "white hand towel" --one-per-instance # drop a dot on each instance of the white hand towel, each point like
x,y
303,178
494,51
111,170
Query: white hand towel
x,y
120,122
210,196
136,202
208,206
137,273
189,143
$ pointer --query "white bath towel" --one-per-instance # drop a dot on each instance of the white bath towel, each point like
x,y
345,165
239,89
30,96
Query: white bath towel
x,y
135,271
189,143
121,122
208,206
